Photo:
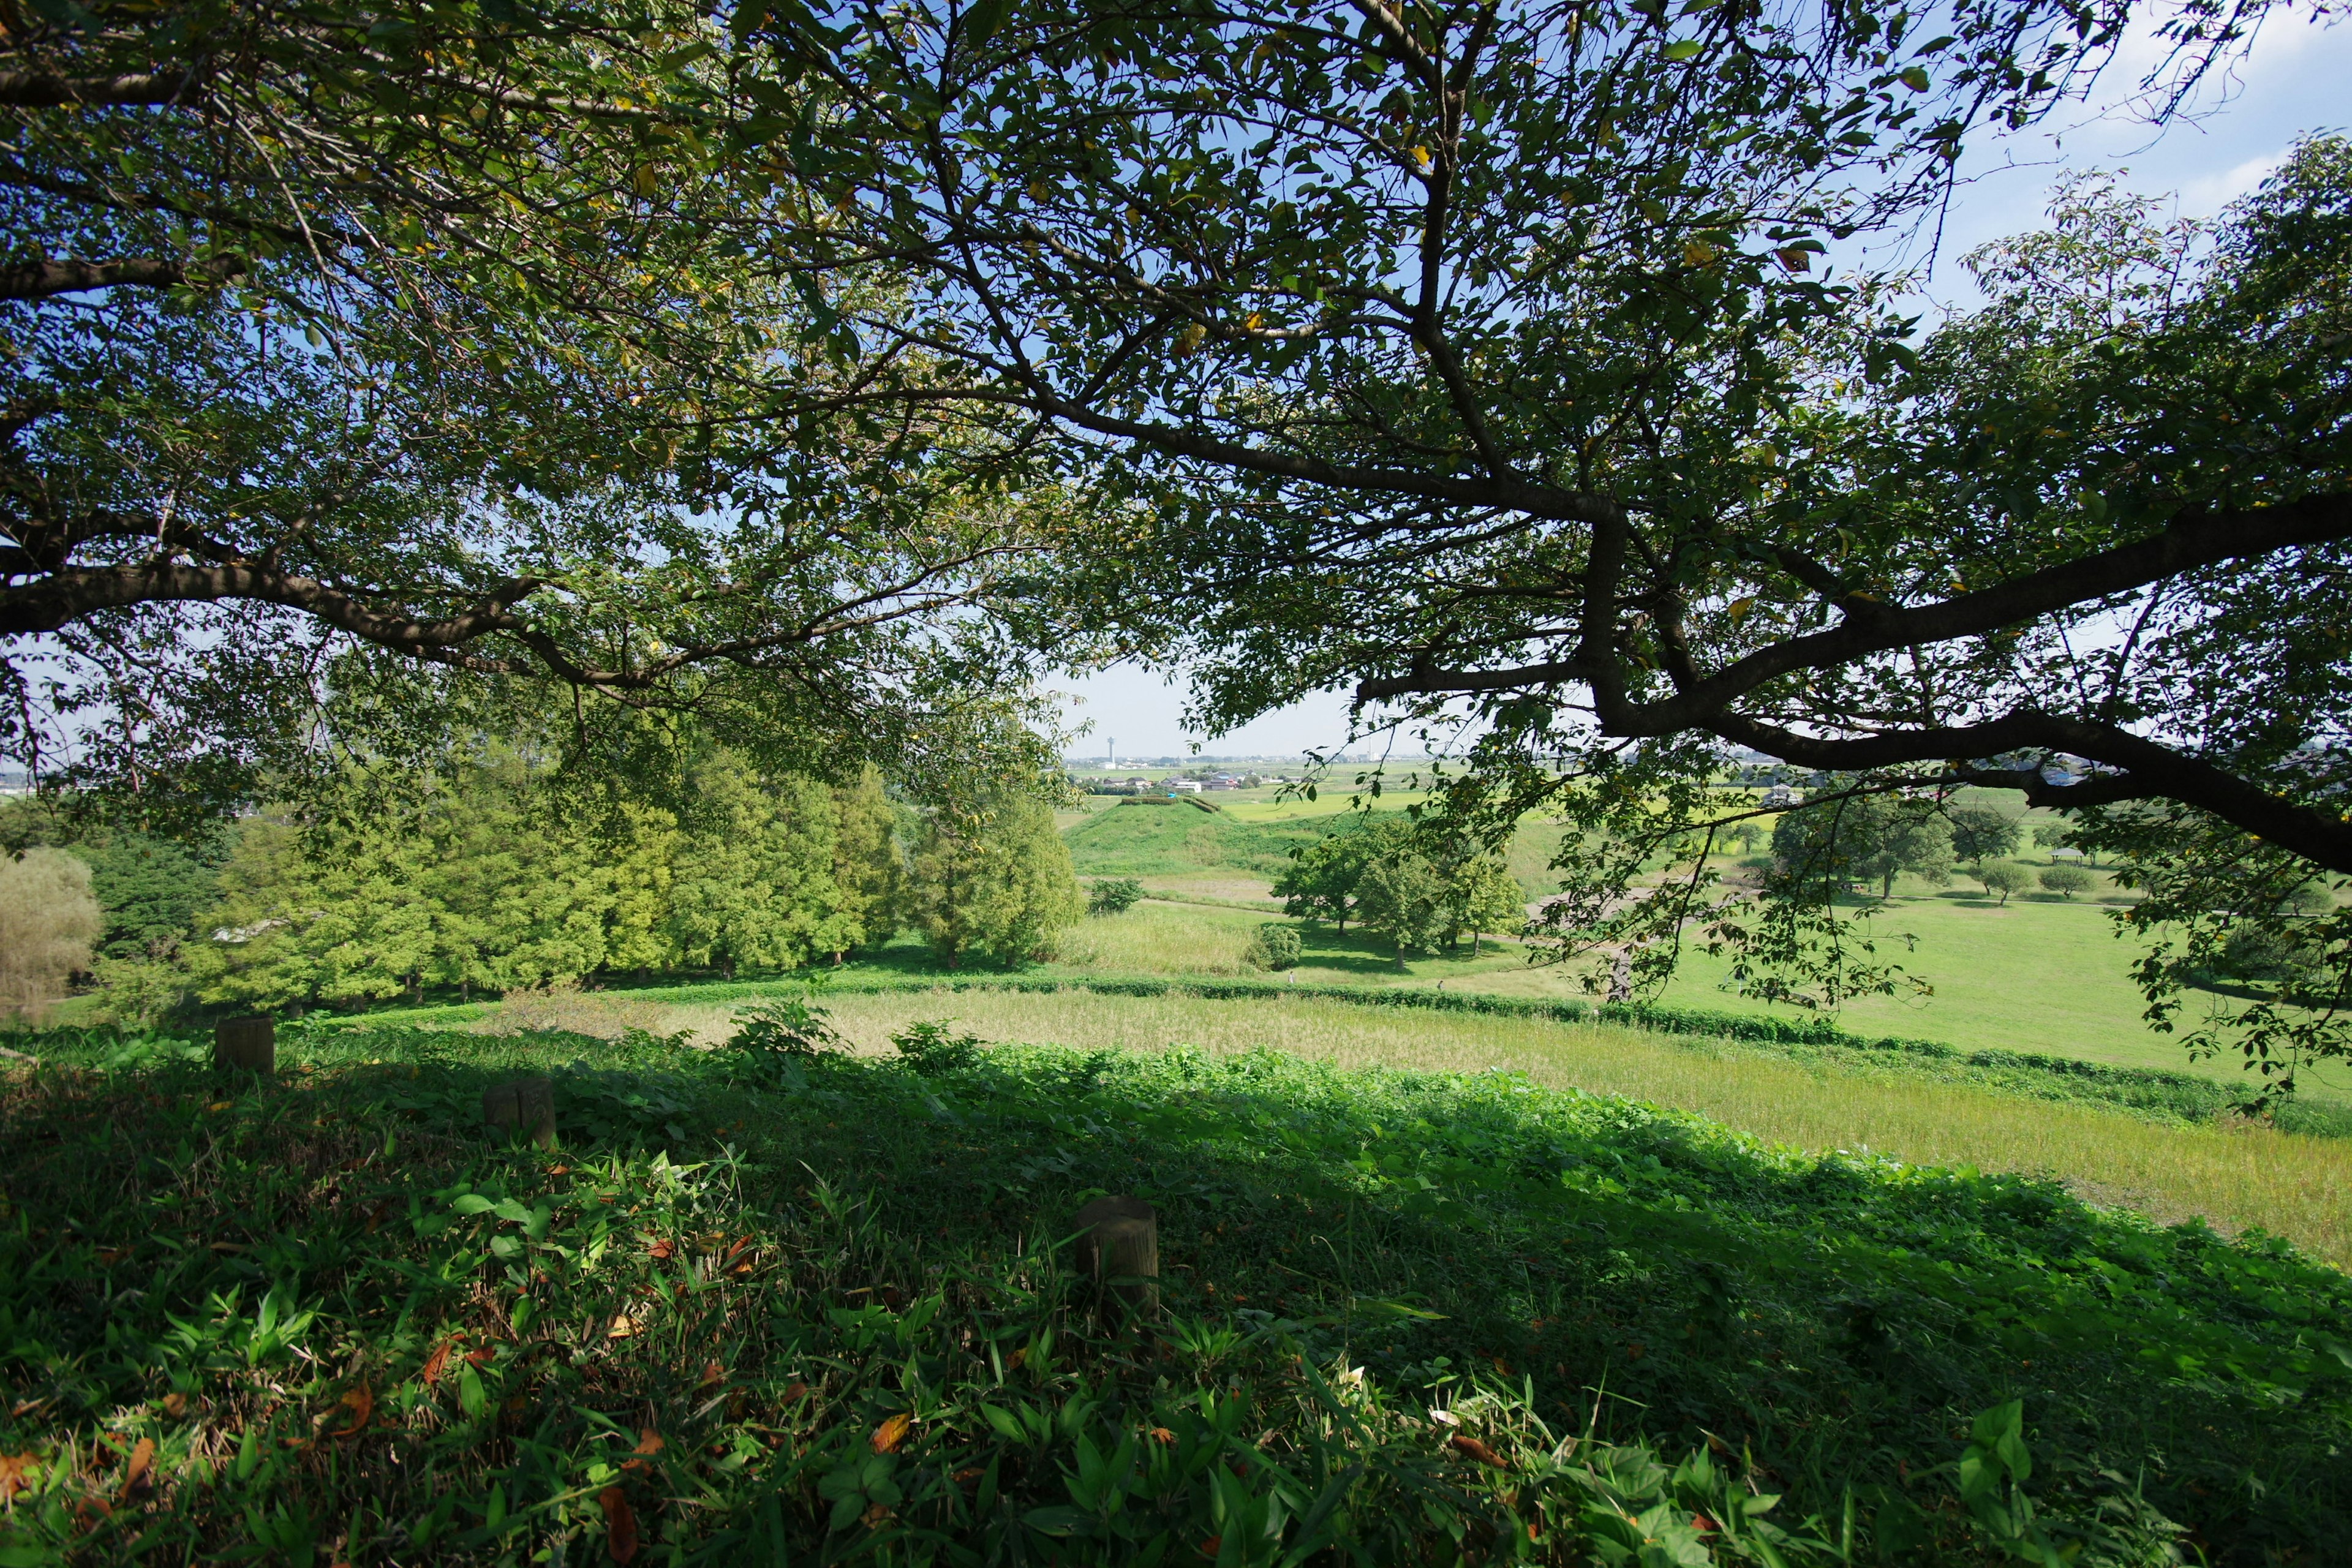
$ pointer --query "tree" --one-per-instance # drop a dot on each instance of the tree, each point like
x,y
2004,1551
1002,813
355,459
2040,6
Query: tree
x,y
2068,881
1865,837
1982,833
1402,897
1483,896
2002,877
869,865
753,877
1319,883
994,880
346,352
1486,358
49,920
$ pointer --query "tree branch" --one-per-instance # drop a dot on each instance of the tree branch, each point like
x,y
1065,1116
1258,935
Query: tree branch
x,y
40,279
37,90
2149,769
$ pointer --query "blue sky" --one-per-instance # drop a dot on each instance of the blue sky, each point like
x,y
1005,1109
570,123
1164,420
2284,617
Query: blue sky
x,y
2296,79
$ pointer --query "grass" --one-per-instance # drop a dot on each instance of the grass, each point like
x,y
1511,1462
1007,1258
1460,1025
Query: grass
x,y
2039,975
756,1308
2246,1177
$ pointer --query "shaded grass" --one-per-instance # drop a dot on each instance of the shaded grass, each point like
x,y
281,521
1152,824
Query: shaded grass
x,y
797,1261
2236,1178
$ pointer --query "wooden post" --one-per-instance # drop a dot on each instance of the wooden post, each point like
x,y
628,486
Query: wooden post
x,y
523,1104
247,1045
1118,1246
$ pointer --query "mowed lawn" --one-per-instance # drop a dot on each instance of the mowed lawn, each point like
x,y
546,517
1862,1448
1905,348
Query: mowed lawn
x,y
2235,1178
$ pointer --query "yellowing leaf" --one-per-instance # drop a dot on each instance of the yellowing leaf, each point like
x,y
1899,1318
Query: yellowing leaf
x,y
1420,156
1697,253
891,1433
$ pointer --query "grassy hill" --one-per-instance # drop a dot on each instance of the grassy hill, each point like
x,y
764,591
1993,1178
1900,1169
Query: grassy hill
x,y
755,1308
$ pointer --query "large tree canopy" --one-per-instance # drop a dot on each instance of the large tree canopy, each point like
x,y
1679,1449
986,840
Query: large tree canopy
x,y
1487,359
333,332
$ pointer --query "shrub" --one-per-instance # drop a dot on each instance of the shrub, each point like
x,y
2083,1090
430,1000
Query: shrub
x,y
934,1050
1114,896
1275,946
2068,881
776,1038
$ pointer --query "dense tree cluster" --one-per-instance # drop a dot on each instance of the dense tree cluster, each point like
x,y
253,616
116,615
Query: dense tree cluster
x,y
505,878
1418,890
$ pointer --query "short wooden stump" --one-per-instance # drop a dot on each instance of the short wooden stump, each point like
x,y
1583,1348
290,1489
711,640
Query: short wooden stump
x,y
1118,1248
247,1045
524,1105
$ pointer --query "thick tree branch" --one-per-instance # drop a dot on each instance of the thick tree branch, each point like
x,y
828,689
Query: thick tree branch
x,y
32,608
40,279
2194,540
2148,769
37,90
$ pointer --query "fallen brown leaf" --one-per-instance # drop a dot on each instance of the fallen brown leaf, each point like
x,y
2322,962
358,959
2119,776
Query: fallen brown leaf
x,y
891,1433
143,1461
13,1468
623,1327
620,1525
649,1443
713,1372
1463,1443
795,1389
438,1360
175,1405
663,1251
360,1401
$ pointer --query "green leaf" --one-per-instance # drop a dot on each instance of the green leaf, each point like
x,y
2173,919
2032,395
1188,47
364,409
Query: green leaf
x,y
473,1203
1688,49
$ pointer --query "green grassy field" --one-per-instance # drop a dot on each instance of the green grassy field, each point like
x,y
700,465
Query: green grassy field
x,y
2042,974
758,1307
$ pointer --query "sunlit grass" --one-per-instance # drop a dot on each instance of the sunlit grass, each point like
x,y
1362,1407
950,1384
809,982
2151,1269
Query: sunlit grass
x,y
2235,1178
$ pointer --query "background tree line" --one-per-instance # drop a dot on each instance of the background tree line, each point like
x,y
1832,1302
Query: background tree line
x,y
507,874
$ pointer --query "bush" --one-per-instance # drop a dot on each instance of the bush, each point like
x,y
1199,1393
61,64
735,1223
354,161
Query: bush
x,y
2068,881
776,1038
1114,896
1275,946
934,1050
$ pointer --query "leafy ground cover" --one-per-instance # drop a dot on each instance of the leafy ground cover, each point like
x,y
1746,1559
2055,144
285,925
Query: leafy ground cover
x,y
760,1305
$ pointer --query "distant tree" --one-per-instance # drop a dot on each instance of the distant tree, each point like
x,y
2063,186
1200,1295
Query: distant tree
x,y
1274,947
2068,881
1319,883
1481,896
48,921
2002,877
1982,833
753,877
1868,839
996,880
151,889
1402,897
1114,896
